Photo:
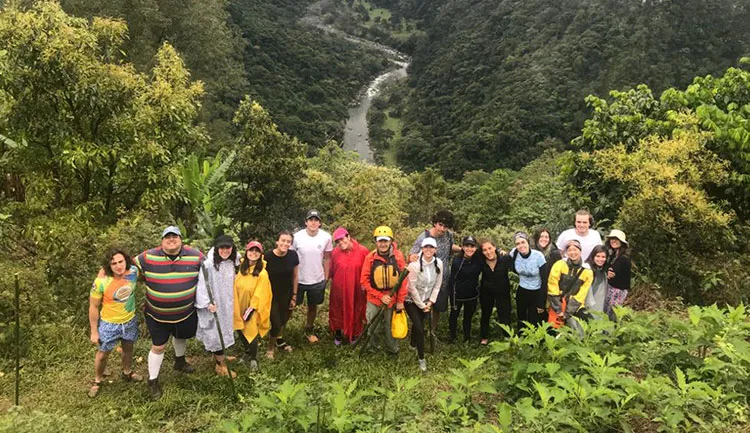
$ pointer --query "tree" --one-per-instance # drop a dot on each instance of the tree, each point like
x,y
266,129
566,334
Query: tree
x,y
92,129
675,230
721,106
267,169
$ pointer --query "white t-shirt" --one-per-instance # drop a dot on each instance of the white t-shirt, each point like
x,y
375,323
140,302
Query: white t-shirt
x,y
588,242
310,250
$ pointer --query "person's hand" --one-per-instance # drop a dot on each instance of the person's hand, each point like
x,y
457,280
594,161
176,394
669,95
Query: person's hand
x,y
293,302
540,310
502,252
427,307
399,306
385,299
95,338
212,308
101,273
610,274
413,258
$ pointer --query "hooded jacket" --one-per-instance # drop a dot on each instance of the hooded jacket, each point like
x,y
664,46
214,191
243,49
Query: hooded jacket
x,y
380,274
569,281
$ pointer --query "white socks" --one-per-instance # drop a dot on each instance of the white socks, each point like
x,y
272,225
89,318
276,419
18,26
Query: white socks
x,y
154,364
180,346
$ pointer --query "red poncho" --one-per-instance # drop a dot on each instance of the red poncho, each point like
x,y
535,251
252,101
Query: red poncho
x,y
348,301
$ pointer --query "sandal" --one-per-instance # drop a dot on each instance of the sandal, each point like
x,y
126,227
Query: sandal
x,y
283,345
95,387
131,377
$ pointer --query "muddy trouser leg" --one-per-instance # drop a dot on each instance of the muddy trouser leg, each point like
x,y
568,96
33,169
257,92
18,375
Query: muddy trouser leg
x,y
375,338
469,310
417,327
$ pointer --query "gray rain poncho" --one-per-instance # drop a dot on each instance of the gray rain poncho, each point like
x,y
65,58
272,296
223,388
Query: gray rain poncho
x,y
222,288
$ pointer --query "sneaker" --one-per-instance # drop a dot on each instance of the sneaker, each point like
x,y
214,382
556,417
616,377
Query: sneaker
x,y
423,364
181,365
154,389
337,342
253,365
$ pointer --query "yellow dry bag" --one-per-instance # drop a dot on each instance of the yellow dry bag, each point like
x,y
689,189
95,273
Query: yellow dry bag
x,y
399,325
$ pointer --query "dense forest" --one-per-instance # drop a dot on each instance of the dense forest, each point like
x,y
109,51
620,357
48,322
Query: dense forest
x,y
494,80
119,118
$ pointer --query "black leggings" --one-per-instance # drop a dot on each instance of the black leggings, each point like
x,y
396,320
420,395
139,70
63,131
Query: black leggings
x,y
418,318
279,315
470,308
489,299
527,302
251,348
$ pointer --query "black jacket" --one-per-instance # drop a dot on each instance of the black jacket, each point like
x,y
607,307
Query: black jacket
x,y
464,280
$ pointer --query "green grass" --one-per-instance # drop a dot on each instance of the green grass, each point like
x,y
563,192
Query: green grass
x,y
57,372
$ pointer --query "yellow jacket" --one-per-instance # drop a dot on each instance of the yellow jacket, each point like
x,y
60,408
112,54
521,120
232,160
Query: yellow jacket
x,y
575,302
255,292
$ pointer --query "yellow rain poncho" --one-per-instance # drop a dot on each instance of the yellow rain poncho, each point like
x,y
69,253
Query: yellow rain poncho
x,y
255,292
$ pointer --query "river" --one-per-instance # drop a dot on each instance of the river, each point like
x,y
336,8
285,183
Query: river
x,y
356,132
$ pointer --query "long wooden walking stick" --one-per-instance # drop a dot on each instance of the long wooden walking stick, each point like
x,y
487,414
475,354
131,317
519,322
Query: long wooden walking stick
x,y
18,341
379,315
218,328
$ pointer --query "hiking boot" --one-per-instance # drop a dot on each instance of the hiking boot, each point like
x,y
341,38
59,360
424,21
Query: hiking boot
x,y
423,365
222,370
154,389
181,365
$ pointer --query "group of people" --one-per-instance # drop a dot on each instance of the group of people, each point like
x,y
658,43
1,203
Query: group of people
x,y
228,296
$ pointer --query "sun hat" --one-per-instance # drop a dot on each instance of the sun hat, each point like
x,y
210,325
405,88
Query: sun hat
x,y
619,235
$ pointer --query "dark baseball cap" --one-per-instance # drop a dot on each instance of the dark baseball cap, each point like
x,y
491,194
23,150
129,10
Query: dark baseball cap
x,y
469,240
224,241
312,213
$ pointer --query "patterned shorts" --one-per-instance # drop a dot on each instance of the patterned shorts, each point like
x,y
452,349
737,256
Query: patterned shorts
x,y
111,333
616,296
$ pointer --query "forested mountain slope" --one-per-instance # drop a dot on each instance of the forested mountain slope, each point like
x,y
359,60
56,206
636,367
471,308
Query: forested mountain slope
x,y
495,78
302,75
